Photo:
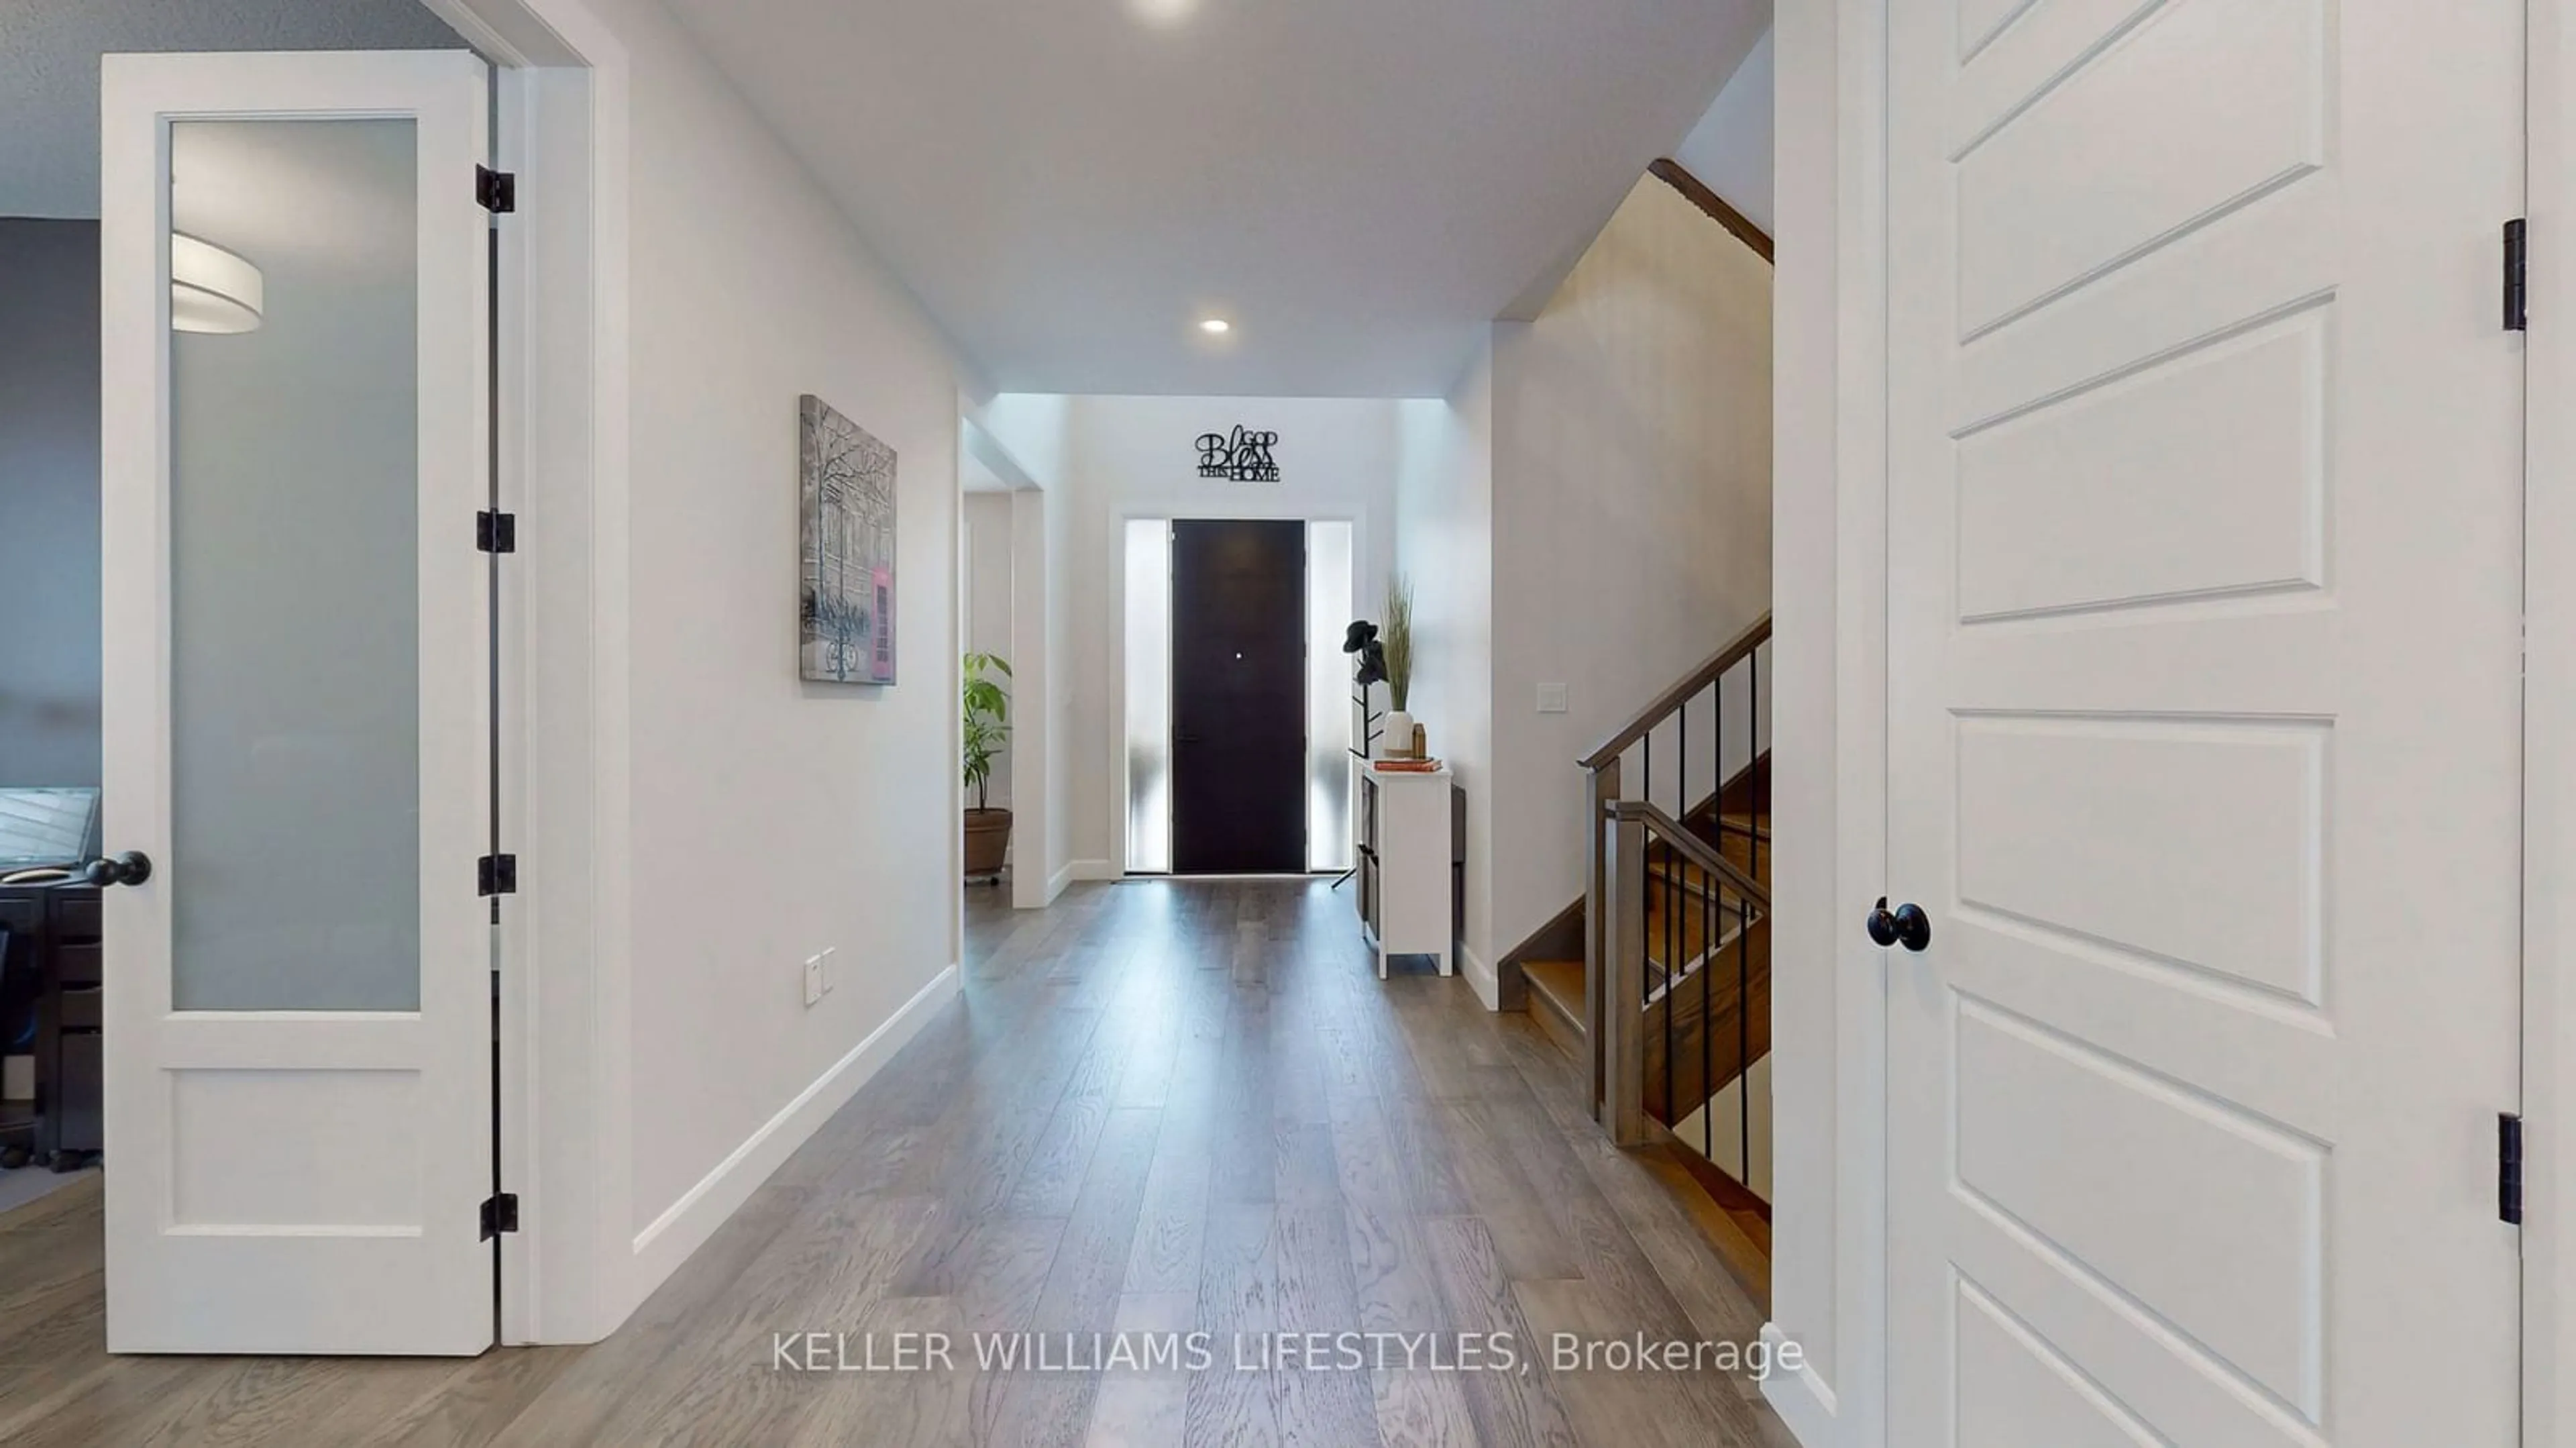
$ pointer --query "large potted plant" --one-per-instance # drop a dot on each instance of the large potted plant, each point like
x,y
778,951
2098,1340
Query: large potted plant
x,y
988,712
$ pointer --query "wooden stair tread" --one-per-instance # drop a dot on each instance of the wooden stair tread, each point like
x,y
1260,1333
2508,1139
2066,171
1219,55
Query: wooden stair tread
x,y
1556,1000
1561,980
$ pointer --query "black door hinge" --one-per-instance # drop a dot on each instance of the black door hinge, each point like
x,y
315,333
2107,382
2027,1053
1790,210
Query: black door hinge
x,y
497,875
496,191
2509,1167
496,532
500,1214
2517,275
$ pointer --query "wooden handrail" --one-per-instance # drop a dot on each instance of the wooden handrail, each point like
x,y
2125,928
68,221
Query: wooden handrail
x,y
1691,848
1680,693
1676,175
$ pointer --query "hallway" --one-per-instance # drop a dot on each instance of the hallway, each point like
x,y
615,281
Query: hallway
x,y
1160,1107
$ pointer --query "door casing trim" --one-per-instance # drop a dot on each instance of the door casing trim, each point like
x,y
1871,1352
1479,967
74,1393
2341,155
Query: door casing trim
x,y
2549,734
562,85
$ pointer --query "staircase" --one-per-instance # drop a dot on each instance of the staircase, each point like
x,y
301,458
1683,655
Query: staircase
x,y
1669,1003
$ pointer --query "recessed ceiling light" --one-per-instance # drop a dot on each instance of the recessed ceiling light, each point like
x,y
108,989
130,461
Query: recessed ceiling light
x,y
1216,326
1162,12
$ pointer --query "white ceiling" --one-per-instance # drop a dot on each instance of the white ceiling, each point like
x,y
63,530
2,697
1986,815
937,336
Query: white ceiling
x,y
49,52
1359,186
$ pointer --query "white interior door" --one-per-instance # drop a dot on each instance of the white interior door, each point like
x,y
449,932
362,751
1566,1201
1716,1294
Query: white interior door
x,y
2205,507
299,1115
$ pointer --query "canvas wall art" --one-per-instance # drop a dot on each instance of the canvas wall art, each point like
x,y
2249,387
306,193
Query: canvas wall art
x,y
849,583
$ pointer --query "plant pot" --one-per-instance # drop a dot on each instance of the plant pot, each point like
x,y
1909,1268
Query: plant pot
x,y
1398,741
988,842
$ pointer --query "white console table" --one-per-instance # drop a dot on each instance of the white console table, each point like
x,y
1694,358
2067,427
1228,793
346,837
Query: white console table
x,y
1405,858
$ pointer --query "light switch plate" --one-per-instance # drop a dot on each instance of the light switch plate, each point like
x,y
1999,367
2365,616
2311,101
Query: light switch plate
x,y
813,979
1551,698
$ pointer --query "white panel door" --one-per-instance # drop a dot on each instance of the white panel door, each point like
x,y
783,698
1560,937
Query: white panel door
x,y
2205,487
298,999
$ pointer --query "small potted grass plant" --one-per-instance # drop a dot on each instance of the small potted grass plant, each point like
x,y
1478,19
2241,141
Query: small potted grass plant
x,y
1397,637
987,720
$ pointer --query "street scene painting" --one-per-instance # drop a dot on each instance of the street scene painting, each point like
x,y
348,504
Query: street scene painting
x,y
848,483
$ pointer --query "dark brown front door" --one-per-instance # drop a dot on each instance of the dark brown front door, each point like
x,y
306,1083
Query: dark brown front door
x,y
1238,697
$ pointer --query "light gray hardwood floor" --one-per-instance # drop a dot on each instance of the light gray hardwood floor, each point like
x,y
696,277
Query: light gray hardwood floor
x,y
1158,1108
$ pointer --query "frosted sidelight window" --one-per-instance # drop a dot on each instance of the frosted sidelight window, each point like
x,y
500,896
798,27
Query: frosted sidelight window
x,y
294,517
1149,696
1329,610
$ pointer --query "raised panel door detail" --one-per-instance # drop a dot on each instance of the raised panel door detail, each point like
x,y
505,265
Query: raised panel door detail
x,y
339,1152
2197,843
2200,477
2200,110
2209,1217
2016,1391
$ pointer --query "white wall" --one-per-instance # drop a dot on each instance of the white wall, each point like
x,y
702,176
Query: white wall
x,y
1044,540
1632,515
988,622
1730,148
771,818
1444,534
1022,437
1035,428
1133,457
49,500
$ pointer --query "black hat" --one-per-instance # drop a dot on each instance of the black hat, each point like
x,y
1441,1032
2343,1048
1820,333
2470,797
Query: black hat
x,y
1358,634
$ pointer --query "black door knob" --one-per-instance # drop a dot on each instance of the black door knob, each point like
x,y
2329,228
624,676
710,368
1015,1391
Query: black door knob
x,y
1905,925
131,868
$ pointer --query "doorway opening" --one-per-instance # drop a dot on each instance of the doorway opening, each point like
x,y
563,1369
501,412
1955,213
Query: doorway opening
x,y
286,246
1240,721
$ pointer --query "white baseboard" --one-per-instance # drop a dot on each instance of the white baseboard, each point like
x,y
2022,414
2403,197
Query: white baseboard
x,y
1480,976
1079,870
685,1227
1804,1401
1057,881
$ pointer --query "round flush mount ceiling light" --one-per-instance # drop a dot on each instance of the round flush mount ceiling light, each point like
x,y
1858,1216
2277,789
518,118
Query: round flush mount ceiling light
x,y
1162,12
211,289
1215,326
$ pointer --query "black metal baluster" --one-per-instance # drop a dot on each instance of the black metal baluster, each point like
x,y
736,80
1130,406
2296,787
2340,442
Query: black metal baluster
x,y
1752,749
1744,1038
1673,978
1709,899
1648,792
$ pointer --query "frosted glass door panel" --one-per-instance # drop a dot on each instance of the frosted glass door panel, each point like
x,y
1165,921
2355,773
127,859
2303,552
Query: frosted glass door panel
x,y
294,559
1329,611
1149,696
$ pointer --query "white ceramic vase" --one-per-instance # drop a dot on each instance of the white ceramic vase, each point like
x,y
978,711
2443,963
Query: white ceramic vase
x,y
1398,738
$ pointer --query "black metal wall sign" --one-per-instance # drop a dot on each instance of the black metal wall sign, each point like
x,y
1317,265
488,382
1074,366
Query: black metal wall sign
x,y
1242,457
